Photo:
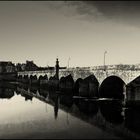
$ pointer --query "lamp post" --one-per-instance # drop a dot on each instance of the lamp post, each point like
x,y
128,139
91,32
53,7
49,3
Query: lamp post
x,y
68,62
104,59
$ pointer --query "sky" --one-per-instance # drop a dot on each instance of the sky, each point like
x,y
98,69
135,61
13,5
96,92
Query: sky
x,y
77,32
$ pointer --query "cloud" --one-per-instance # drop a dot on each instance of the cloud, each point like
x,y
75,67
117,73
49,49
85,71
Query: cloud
x,y
85,11
109,8
74,9
124,12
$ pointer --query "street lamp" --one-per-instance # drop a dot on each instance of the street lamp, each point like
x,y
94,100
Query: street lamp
x,y
68,62
104,59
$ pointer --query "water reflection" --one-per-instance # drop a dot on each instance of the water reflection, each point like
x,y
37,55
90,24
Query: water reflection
x,y
27,97
66,100
132,119
33,89
7,90
93,111
43,92
90,108
56,107
6,93
24,86
112,111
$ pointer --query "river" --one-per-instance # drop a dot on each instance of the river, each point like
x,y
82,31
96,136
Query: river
x,y
29,114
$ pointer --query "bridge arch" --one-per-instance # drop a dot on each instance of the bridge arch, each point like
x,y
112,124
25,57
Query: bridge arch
x,y
77,86
88,87
46,77
62,83
25,79
43,80
33,79
19,79
41,77
112,87
50,78
69,83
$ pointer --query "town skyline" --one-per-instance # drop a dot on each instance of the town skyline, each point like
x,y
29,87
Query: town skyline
x,y
81,31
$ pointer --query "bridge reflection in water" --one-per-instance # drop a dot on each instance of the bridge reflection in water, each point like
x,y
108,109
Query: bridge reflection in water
x,y
109,116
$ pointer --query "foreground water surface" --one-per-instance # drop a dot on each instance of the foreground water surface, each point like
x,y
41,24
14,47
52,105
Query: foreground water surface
x,y
38,113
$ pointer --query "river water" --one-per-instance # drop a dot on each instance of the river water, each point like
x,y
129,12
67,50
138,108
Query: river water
x,y
29,114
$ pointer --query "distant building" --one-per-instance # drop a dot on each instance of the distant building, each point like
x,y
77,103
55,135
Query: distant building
x,y
7,67
18,67
28,66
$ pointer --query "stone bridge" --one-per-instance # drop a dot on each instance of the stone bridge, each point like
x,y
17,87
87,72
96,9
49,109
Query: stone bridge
x,y
116,81
127,75
98,81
